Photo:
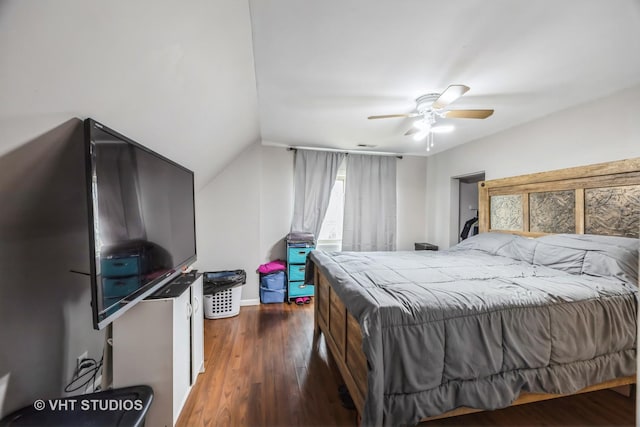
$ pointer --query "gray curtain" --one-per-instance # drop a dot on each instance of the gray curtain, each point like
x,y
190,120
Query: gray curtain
x,y
315,174
370,204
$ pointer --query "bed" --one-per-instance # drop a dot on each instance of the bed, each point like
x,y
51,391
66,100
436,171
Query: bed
x,y
541,304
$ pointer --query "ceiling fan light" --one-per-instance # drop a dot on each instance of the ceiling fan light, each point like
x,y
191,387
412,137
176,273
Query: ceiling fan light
x,y
421,124
421,135
442,129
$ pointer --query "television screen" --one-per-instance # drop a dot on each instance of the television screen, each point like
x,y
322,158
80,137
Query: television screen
x,y
142,220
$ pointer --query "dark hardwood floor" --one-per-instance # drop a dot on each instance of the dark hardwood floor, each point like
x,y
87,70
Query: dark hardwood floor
x,y
263,368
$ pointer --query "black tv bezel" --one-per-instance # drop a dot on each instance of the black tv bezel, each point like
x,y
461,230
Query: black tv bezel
x,y
153,285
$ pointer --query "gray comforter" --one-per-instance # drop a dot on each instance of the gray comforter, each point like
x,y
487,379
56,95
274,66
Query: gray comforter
x,y
476,325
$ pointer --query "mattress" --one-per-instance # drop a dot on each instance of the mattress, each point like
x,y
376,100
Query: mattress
x,y
478,324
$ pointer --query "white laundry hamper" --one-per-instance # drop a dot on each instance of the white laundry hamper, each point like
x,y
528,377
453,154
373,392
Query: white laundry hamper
x,y
222,292
223,304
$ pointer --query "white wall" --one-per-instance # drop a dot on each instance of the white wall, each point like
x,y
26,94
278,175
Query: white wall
x,y
410,187
243,215
604,130
258,185
276,202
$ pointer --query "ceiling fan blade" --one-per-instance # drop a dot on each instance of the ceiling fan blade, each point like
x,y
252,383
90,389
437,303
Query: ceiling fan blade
x,y
412,131
449,95
392,116
468,114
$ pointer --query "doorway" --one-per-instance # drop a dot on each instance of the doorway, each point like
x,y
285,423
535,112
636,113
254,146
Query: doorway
x,y
467,204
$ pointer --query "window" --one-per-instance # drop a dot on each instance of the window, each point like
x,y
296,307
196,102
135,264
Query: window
x,y
330,238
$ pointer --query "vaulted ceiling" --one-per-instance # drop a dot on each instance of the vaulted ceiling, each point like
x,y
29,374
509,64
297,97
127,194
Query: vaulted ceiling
x,y
323,67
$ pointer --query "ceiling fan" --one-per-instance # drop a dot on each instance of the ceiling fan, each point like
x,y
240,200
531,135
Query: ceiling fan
x,y
432,106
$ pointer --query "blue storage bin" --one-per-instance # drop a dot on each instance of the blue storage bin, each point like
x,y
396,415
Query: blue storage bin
x,y
273,287
273,281
268,296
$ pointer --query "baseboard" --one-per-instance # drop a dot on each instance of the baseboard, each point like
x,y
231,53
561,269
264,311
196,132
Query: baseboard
x,y
249,302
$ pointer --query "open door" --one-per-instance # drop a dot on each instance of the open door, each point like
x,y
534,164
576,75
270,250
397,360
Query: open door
x,y
468,204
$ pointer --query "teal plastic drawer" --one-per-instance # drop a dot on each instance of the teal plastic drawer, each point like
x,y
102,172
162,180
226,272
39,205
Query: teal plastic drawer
x,y
296,272
299,289
298,255
119,287
119,267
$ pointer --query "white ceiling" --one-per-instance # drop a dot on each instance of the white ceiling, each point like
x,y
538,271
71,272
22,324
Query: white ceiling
x,y
322,67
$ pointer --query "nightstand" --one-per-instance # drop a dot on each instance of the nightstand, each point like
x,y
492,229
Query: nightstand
x,y
425,247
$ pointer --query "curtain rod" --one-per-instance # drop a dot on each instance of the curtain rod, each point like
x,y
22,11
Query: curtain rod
x,y
347,152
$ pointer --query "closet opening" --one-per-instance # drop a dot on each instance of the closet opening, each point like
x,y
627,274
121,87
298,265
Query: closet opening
x,y
465,214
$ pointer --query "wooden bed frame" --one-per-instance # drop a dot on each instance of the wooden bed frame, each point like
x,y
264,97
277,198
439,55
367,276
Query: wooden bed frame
x,y
342,332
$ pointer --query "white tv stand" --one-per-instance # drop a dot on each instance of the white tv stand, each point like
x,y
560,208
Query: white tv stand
x,y
160,343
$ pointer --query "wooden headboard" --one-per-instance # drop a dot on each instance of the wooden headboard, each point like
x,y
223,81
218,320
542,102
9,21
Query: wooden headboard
x,y
597,199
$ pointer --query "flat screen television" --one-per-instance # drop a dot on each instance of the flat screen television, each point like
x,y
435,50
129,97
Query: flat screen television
x,y
141,220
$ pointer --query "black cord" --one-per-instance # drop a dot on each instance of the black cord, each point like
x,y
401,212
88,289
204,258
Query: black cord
x,y
95,375
92,370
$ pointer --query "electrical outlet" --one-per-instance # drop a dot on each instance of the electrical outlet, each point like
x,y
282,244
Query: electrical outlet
x,y
80,358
